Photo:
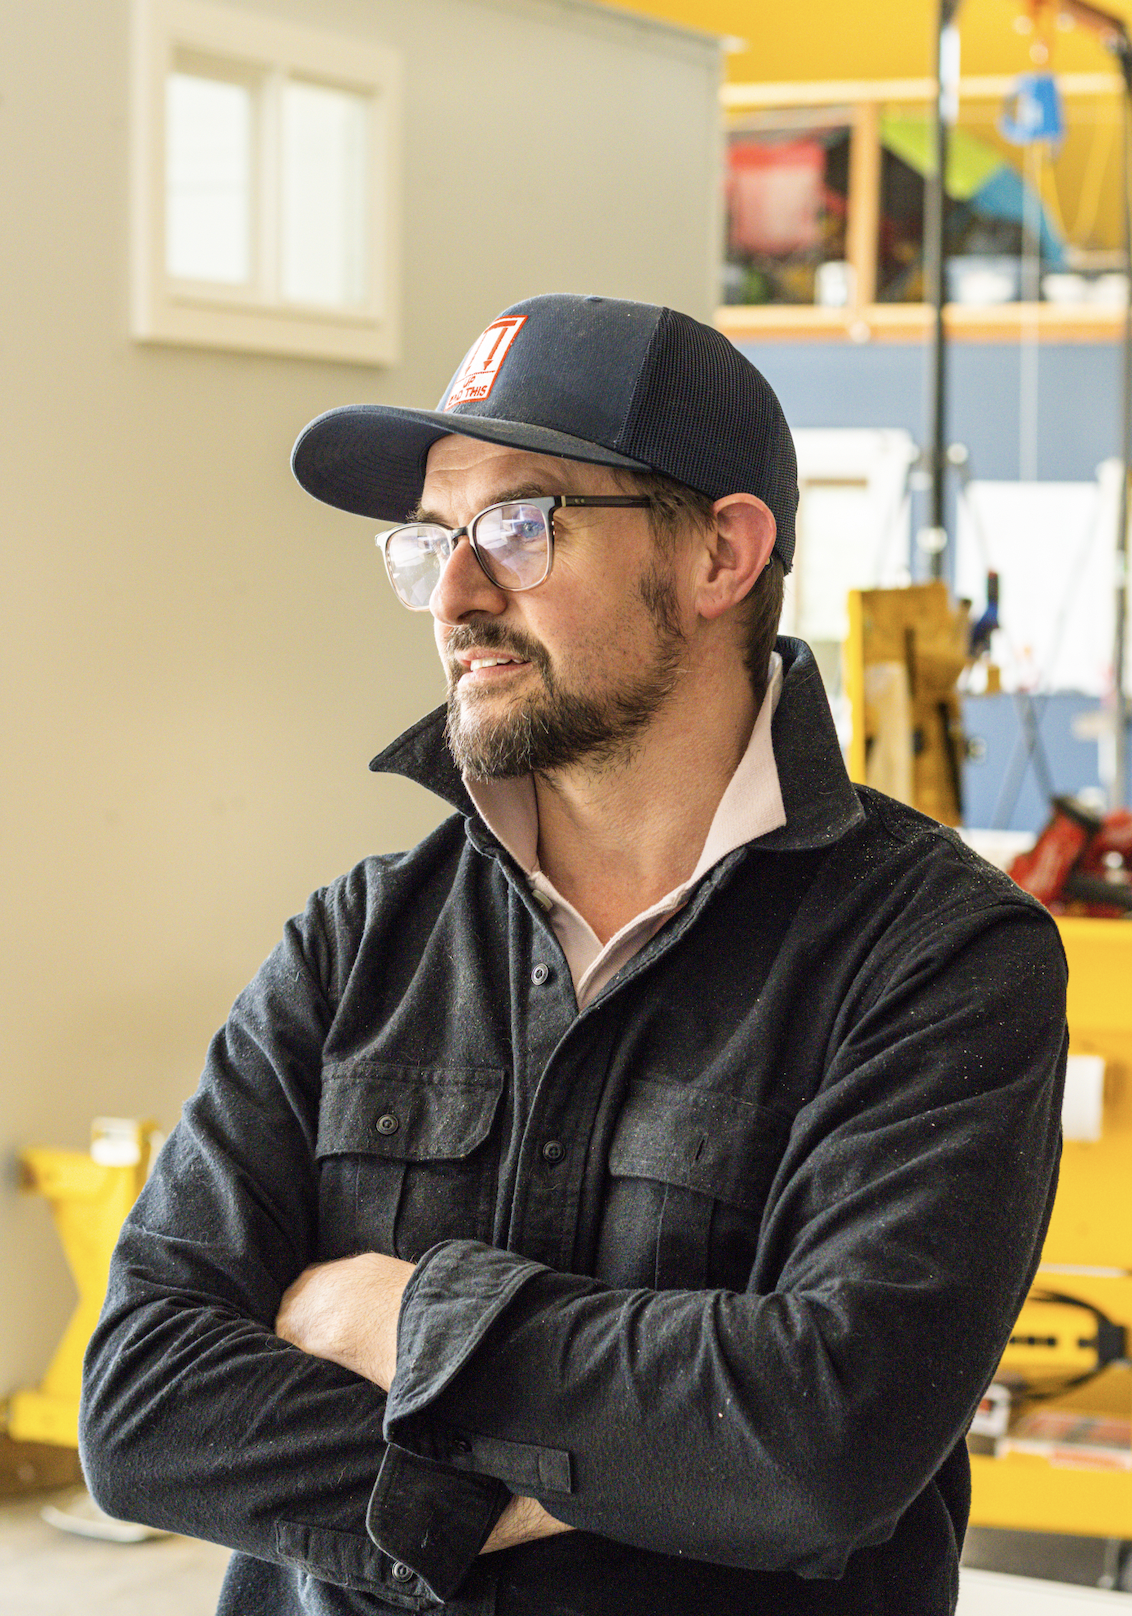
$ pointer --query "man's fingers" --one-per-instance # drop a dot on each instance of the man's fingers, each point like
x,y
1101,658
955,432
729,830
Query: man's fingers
x,y
347,1311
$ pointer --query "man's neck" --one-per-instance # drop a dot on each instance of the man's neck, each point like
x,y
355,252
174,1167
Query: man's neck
x,y
615,839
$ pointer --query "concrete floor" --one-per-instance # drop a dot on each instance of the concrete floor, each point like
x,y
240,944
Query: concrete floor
x,y
1076,1560
46,1572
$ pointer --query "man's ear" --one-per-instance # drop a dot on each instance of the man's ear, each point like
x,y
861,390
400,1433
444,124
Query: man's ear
x,y
735,552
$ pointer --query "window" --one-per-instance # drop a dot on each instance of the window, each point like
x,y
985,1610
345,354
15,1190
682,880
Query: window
x,y
265,185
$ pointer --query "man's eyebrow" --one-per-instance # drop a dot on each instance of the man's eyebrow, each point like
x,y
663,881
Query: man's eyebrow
x,y
528,490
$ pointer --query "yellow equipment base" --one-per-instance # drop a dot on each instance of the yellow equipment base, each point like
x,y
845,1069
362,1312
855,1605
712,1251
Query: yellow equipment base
x,y
1026,1493
89,1201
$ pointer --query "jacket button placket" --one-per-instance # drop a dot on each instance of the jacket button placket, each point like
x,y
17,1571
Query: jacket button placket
x,y
559,1117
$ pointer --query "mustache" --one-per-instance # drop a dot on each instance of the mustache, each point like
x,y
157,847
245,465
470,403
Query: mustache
x,y
494,637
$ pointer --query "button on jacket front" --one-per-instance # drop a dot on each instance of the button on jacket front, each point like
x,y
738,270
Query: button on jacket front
x,y
716,1269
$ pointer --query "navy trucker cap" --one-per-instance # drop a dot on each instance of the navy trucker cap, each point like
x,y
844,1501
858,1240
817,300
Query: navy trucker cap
x,y
597,379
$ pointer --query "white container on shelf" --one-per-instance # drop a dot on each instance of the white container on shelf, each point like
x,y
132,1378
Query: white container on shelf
x,y
1110,291
833,284
1066,287
979,280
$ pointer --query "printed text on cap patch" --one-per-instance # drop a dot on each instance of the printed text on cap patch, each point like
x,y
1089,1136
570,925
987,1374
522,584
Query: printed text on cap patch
x,y
481,367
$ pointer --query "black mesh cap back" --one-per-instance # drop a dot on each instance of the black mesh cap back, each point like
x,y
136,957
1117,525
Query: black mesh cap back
x,y
703,414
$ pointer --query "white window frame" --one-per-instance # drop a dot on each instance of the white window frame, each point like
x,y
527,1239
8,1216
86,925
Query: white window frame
x,y
196,313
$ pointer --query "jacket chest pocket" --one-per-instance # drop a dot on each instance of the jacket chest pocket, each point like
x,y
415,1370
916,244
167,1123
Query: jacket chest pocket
x,y
405,1156
690,1171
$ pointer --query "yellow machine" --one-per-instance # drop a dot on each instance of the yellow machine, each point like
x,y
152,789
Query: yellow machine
x,y
1054,1444
90,1196
1070,1483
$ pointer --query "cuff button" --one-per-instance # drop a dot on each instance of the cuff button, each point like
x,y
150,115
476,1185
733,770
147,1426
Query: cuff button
x,y
402,1572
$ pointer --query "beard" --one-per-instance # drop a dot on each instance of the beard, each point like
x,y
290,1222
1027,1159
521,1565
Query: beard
x,y
558,727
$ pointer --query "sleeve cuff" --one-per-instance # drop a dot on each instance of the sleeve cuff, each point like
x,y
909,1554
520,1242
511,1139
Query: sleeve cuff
x,y
455,1295
432,1519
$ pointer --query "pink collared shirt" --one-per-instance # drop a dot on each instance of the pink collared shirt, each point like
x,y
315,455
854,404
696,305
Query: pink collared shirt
x,y
751,805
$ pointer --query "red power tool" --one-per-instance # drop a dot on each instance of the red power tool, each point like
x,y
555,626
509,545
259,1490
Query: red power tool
x,y
1081,863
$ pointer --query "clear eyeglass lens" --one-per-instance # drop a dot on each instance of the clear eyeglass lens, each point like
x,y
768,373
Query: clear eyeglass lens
x,y
416,555
513,542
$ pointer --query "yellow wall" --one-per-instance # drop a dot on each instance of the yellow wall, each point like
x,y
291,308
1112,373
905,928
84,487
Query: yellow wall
x,y
882,39
833,39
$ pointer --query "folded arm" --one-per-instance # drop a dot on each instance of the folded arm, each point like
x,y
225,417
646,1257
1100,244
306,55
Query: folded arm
x,y
346,1312
197,1416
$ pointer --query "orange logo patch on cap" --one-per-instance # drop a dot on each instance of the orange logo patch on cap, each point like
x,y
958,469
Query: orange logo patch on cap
x,y
481,367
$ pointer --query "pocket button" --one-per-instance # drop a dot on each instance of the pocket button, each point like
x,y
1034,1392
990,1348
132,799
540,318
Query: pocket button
x,y
402,1572
387,1124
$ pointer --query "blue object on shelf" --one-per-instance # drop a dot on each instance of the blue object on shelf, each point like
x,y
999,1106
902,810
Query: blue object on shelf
x,y
1033,111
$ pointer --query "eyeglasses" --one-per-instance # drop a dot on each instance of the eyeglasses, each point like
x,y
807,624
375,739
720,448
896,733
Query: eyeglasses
x,y
513,543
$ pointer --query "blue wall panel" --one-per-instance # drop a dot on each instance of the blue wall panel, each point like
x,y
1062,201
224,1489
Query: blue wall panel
x,y
1004,788
883,385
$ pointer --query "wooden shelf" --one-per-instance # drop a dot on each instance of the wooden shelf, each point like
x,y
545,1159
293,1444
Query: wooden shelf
x,y
911,322
738,98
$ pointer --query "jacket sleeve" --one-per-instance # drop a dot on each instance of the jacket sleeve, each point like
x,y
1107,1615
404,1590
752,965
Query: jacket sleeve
x,y
793,1423
196,1417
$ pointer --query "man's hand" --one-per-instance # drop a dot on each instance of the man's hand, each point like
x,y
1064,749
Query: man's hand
x,y
347,1311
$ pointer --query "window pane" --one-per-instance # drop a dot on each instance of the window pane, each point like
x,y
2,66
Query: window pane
x,y
324,195
208,146
787,182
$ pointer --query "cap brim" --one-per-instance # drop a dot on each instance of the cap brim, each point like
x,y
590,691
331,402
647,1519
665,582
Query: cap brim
x,y
370,458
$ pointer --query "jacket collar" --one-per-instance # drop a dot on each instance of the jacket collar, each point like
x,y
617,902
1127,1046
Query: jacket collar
x,y
421,754
820,802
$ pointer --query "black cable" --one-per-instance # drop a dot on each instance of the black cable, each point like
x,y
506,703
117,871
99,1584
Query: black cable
x,y
1111,1343
1031,1393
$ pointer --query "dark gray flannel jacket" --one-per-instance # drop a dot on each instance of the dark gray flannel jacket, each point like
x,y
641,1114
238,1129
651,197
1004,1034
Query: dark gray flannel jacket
x,y
716,1269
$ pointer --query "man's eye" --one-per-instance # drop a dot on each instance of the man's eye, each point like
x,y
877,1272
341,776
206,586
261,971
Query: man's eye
x,y
519,531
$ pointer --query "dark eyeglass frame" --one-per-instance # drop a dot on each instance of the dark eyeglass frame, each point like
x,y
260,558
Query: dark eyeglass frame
x,y
546,503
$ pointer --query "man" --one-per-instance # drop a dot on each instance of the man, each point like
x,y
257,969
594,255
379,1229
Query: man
x,y
620,1201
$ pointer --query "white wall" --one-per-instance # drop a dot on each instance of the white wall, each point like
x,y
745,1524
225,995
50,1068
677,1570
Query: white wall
x,y
199,660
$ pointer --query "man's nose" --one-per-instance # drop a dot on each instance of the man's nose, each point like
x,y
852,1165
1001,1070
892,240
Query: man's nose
x,y
464,588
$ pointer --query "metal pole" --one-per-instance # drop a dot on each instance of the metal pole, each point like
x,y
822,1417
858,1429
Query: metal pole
x,y
1120,712
933,537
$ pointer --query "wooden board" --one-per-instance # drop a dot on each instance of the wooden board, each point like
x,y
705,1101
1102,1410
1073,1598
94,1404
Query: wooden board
x,y
29,1467
917,628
